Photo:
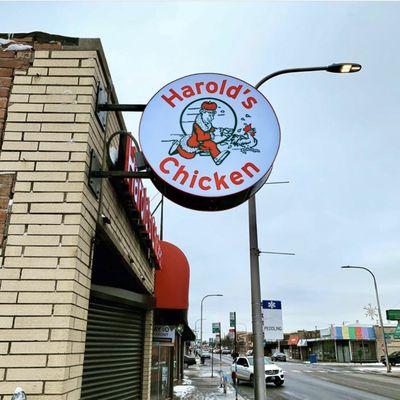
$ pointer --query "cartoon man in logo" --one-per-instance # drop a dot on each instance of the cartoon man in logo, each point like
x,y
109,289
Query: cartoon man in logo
x,y
201,138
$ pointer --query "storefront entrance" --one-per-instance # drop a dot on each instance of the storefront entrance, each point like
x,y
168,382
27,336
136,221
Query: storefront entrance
x,y
113,352
161,370
114,357
343,351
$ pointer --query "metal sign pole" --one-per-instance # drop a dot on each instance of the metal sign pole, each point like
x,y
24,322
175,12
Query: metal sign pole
x,y
236,388
212,360
220,353
258,337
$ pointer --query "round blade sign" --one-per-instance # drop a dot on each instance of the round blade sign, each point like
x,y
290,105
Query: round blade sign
x,y
210,139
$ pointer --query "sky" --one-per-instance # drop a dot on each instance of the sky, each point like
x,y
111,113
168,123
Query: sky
x,y
339,146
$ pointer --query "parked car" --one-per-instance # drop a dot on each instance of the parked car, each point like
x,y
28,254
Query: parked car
x,y
226,351
189,360
394,358
205,354
243,367
217,350
278,356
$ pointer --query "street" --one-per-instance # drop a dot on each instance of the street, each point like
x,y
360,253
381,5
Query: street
x,y
318,382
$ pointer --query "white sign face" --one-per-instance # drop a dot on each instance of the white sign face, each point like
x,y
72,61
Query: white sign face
x,y
164,333
209,136
272,316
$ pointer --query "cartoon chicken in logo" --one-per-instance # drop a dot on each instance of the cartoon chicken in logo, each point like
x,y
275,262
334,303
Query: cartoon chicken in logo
x,y
246,141
201,138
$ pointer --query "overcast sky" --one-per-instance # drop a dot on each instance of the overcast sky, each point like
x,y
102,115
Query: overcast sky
x,y
339,150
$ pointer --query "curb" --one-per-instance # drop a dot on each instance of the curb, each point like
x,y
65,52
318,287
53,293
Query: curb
x,y
397,374
352,367
240,396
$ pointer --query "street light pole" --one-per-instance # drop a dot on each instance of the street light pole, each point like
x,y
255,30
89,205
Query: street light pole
x,y
195,327
258,349
388,366
201,315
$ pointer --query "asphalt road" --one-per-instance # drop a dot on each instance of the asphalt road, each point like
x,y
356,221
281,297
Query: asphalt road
x,y
317,382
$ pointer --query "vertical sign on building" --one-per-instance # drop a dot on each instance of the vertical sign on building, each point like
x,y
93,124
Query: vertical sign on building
x,y
232,319
272,316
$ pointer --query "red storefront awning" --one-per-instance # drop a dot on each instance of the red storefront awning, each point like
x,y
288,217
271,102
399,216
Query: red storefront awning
x,y
172,281
293,340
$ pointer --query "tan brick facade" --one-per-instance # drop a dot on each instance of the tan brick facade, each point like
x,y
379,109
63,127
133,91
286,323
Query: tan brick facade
x,y
50,127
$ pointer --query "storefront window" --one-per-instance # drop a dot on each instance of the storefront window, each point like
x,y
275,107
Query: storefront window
x,y
364,351
328,349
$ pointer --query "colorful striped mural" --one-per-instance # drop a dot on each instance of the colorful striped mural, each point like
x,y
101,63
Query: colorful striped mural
x,y
353,333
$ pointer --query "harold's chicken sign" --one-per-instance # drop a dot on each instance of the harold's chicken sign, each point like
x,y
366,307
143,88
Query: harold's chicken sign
x,y
210,140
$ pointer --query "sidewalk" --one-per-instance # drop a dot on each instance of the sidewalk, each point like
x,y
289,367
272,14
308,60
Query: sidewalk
x,y
198,385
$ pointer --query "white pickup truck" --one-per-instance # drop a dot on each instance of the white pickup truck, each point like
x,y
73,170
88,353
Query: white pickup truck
x,y
243,367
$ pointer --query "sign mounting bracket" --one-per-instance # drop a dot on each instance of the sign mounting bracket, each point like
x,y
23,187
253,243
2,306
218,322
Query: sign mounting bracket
x,y
121,107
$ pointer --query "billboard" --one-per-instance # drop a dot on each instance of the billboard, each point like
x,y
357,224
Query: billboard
x,y
272,317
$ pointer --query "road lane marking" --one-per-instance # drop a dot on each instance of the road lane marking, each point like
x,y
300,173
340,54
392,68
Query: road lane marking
x,y
295,396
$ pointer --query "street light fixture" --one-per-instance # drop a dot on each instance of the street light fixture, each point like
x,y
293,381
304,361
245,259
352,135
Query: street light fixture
x,y
344,68
388,366
258,350
201,315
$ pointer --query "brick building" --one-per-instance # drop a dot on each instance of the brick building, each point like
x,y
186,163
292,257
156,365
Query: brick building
x,y
77,264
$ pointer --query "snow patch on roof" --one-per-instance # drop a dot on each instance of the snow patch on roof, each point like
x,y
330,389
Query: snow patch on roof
x,y
18,47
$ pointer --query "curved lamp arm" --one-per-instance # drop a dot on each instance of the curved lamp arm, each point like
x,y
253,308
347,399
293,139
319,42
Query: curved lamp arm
x,y
340,68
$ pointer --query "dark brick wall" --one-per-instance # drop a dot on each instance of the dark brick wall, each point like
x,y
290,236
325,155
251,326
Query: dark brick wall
x,y
6,186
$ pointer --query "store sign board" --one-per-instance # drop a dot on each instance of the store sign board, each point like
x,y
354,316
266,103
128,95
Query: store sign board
x,y
210,140
164,333
393,315
216,327
141,203
397,332
389,335
272,317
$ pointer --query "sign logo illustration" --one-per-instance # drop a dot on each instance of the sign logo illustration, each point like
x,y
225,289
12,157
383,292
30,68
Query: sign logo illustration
x,y
210,140
210,128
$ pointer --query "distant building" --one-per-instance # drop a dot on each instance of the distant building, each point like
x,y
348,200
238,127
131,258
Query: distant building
x,y
244,341
392,343
297,343
342,343
345,343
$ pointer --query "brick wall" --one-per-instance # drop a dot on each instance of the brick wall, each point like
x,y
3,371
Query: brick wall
x,y
10,63
45,265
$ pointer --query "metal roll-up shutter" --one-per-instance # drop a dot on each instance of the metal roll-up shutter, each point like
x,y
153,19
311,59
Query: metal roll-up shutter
x,y
114,351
